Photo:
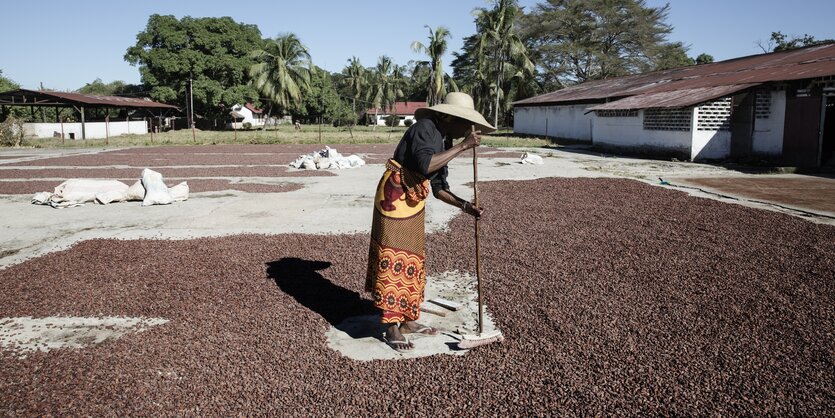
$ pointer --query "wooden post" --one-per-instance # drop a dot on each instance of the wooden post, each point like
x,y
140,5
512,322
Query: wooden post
x,y
152,127
62,131
107,129
320,129
83,126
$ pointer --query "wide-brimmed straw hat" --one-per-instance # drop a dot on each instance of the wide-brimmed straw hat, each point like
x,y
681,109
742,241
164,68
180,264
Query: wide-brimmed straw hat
x,y
459,105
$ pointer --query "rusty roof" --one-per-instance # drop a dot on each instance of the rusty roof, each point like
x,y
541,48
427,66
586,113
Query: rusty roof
x,y
24,97
797,64
671,99
400,108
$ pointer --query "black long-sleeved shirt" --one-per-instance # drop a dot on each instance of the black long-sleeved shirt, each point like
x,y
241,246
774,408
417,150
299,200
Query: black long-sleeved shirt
x,y
415,150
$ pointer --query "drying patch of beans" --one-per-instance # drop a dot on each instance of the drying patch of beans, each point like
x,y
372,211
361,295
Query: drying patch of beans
x,y
110,173
616,298
213,185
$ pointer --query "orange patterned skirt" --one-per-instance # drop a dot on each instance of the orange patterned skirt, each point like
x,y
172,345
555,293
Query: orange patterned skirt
x,y
396,276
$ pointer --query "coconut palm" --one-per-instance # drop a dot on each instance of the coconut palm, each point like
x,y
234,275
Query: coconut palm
x,y
506,49
282,71
356,77
434,50
386,84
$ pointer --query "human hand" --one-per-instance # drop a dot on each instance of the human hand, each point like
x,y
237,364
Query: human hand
x,y
473,139
472,209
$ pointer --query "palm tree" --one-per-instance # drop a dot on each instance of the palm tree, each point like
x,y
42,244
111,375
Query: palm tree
x,y
282,71
357,79
507,50
435,50
386,84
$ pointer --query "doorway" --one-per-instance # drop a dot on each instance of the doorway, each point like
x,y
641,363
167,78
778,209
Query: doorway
x,y
828,132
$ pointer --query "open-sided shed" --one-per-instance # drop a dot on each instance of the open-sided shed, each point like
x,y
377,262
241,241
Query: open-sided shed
x,y
82,103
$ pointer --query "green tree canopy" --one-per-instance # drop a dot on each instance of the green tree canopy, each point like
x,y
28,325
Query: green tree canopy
x,y
7,84
282,71
213,52
494,66
578,40
704,59
113,88
435,50
323,100
781,42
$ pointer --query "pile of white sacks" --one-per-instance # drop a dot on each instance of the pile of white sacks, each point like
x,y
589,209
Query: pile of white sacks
x,y
325,159
150,190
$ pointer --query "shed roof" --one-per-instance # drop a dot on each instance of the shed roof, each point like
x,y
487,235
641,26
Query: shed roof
x,y
670,99
798,64
400,108
24,97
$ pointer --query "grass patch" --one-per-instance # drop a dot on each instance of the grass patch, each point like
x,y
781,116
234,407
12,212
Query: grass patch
x,y
310,134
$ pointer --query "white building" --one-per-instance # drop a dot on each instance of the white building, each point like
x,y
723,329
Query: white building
x,y
404,111
246,113
777,107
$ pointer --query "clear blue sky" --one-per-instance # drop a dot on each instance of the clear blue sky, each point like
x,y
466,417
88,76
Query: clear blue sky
x,y
66,44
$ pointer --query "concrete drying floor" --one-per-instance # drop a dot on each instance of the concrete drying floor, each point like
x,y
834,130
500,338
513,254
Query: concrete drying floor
x,y
616,296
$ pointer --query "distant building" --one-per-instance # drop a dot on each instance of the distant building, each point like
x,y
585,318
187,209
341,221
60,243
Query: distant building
x,y
246,113
403,110
776,106
85,116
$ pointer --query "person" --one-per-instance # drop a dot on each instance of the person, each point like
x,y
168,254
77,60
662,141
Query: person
x,y
396,257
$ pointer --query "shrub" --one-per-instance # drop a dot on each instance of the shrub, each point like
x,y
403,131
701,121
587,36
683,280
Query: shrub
x,y
247,125
392,120
408,122
11,132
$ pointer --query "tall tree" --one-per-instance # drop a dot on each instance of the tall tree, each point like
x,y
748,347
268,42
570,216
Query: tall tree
x,y
282,71
435,50
386,83
356,77
494,65
213,52
579,40
322,99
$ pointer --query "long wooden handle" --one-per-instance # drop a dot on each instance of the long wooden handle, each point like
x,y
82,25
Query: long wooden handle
x,y
477,247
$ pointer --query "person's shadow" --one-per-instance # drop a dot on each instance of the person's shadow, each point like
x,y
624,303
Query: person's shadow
x,y
301,280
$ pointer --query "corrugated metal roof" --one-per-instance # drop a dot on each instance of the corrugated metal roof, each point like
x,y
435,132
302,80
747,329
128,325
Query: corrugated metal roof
x,y
26,97
670,99
798,64
401,108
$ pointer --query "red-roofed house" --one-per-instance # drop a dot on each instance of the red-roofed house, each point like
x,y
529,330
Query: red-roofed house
x,y
246,114
403,110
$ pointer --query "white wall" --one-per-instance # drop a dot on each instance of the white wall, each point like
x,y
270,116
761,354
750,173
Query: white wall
x,y
93,130
567,121
709,145
628,132
768,133
381,119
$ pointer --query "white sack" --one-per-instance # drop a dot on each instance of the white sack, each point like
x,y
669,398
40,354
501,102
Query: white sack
x,y
156,192
179,192
328,158
135,192
532,159
85,190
